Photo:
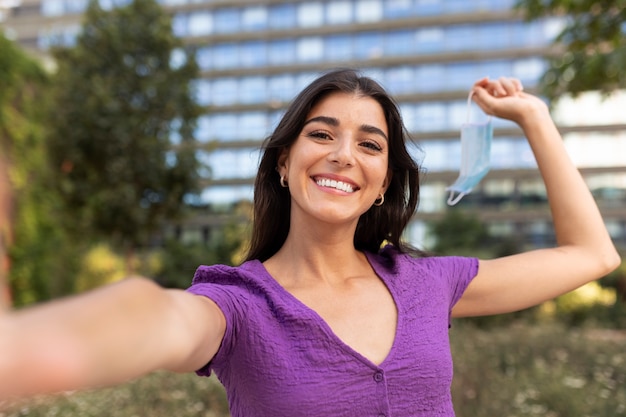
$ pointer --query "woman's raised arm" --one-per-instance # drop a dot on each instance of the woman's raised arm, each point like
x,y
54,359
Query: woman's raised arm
x,y
584,250
106,337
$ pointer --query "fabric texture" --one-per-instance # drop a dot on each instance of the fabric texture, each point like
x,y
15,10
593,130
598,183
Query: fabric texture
x,y
279,358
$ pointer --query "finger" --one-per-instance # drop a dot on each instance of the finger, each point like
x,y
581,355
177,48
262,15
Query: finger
x,y
483,82
509,86
484,99
512,85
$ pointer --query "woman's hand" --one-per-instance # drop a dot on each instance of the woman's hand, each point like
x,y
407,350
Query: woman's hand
x,y
584,250
505,98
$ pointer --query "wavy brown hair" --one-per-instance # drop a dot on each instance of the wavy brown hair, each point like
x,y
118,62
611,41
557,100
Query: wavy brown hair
x,y
272,203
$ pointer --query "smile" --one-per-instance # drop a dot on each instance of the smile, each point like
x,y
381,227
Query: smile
x,y
338,185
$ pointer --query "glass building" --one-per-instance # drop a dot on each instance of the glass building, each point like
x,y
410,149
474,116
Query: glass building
x,y
256,56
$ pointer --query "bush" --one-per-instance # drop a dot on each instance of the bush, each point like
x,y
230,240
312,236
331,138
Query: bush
x,y
547,370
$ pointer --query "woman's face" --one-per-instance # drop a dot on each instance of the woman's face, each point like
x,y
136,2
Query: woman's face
x,y
338,165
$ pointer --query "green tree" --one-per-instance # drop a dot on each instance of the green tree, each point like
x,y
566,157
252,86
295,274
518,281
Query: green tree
x,y
122,142
592,54
38,268
459,233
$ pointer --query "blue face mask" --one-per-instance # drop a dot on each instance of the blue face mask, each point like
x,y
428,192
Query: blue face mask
x,y
475,156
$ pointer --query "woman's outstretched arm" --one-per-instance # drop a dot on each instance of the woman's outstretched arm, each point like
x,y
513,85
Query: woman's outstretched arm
x,y
106,337
584,250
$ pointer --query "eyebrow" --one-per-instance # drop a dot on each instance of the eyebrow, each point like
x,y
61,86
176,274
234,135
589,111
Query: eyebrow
x,y
332,121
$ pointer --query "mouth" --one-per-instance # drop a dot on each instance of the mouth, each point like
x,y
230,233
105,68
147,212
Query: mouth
x,y
335,184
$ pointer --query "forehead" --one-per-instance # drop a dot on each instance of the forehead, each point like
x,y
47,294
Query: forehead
x,y
350,108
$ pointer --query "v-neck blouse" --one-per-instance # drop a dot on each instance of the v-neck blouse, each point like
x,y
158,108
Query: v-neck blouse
x,y
279,358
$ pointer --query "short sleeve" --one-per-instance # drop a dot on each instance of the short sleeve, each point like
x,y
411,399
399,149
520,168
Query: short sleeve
x,y
461,272
232,301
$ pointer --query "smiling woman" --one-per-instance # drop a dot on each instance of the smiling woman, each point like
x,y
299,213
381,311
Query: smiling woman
x,y
331,313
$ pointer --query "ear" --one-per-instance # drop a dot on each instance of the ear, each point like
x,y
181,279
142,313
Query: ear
x,y
283,162
387,181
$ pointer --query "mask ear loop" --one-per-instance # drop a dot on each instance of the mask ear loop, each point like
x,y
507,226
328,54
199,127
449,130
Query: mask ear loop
x,y
451,199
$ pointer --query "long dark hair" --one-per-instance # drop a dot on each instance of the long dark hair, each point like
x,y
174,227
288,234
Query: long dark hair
x,y
272,203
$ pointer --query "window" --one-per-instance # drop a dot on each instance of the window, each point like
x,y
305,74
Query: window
x,y
310,14
462,38
179,24
429,40
253,54
338,47
252,90
368,10
495,35
310,49
508,153
459,6
204,57
430,117
226,56
495,69
224,91
231,163
178,58
281,87
400,80
204,130
428,7
252,126
52,7
398,8
200,23
282,52
369,45
430,78
202,89
399,43
222,126
461,76
339,12
226,21
529,70
282,16
220,195
407,110
442,155
169,3
254,18
457,114
75,6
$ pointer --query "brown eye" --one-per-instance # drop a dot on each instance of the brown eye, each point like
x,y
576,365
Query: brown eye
x,y
319,135
372,145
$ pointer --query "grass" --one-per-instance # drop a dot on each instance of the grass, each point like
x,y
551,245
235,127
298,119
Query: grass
x,y
514,371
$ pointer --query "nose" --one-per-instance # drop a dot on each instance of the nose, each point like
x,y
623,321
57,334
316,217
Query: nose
x,y
342,153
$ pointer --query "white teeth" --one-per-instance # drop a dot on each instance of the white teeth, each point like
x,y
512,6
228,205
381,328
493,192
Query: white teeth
x,y
339,185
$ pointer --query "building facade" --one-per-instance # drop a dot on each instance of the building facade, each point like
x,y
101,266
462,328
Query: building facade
x,y
256,56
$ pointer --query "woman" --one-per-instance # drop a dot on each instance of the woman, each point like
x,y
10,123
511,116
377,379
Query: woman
x,y
318,320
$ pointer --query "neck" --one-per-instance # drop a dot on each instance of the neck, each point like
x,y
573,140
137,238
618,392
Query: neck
x,y
322,253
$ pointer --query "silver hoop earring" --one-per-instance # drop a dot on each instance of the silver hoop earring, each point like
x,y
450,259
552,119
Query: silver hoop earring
x,y
283,182
380,200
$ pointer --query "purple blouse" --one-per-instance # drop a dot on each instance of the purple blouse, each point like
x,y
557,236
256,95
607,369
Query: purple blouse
x,y
280,358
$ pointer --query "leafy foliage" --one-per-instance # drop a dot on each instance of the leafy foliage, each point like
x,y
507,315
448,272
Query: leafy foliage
x,y
123,95
593,41
38,270
458,232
